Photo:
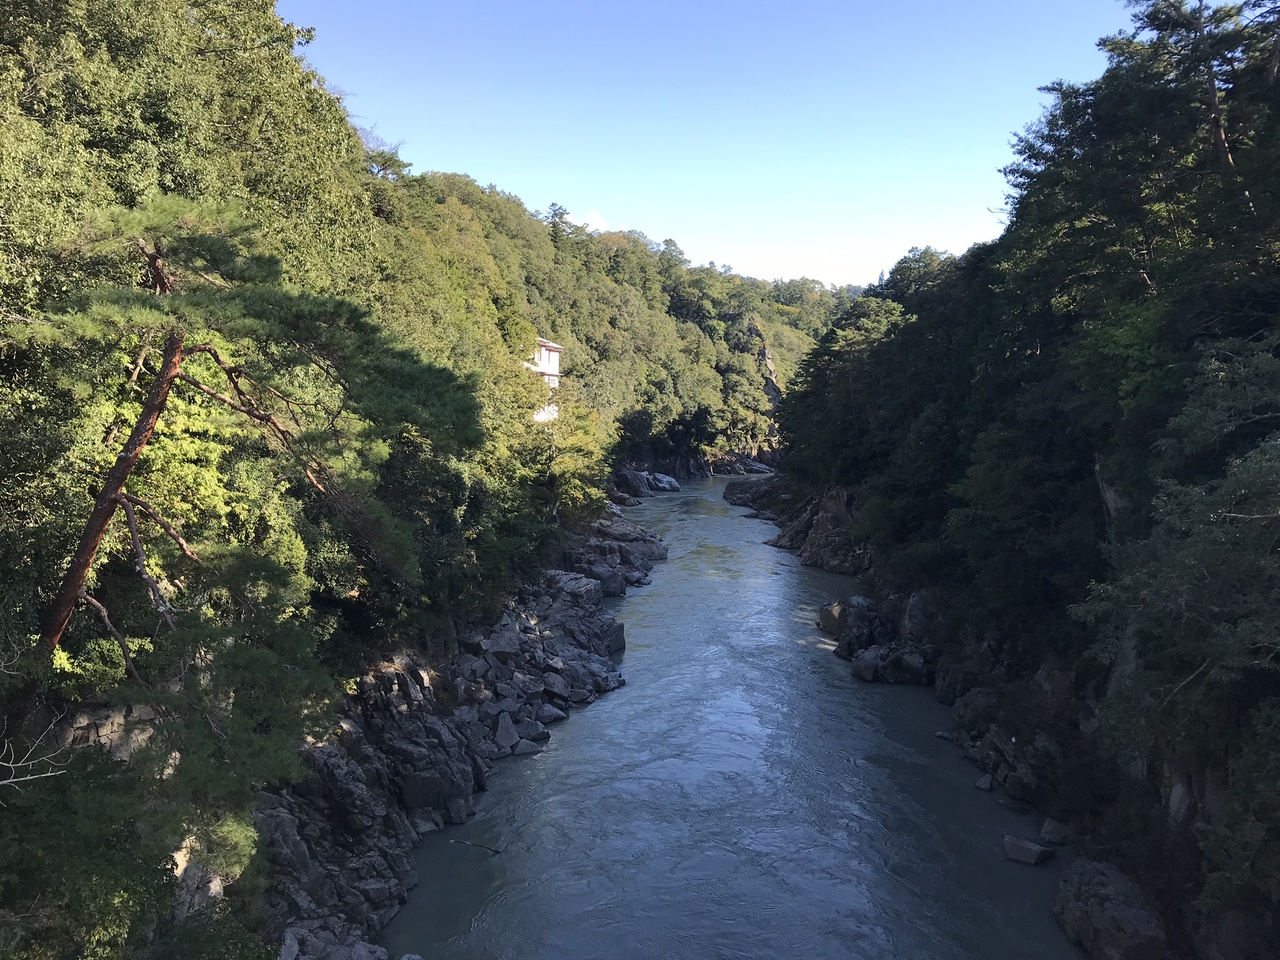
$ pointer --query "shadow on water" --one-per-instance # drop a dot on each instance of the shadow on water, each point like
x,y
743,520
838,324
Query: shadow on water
x,y
741,797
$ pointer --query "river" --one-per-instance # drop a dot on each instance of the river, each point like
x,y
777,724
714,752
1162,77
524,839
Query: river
x,y
741,797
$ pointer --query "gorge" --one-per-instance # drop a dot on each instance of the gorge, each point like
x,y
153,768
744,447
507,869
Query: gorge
x,y
741,796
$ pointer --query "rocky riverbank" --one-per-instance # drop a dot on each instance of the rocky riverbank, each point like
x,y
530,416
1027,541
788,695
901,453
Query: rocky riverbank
x,y
415,743
1014,718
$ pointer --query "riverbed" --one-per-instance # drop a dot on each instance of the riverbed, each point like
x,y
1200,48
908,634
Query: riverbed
x,y
741,797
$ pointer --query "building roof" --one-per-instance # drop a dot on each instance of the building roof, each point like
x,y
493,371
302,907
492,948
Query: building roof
x,y
548,345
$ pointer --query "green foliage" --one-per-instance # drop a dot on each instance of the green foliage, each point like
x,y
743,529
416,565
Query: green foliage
x,y
1075,425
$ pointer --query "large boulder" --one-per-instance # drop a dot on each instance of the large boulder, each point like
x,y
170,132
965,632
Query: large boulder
x,y
1026,851
503,643
901,665
828,547
1105,912
662,483
831,617
631,483
860,628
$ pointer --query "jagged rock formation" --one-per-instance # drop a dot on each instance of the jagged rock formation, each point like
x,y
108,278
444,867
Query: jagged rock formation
x,y
1106,913
815,526
616,552
411,749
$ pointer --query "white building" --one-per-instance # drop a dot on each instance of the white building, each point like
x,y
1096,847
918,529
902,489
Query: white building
x,y
546,363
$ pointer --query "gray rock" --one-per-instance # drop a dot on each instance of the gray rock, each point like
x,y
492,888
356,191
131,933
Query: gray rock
x,y
532,730
423,790
831,617
1055,833
615,640
556,685
1105,912
1026,851
505,737
866,665
530,686
985,782
549,714
526,746
409,687
663,483
612,582
631,483
503,643
457,811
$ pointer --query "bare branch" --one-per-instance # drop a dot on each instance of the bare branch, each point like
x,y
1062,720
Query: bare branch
x,y
119,637
164,524
248,408
140,559
35,763
1176,689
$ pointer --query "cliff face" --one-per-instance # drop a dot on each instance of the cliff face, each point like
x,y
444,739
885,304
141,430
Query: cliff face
x,y
1028,720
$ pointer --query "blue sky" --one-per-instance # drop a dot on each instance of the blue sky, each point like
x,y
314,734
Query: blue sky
x,y
784,139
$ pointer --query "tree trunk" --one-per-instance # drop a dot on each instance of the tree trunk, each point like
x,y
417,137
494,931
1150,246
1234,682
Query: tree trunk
x,y
1213,103
64,603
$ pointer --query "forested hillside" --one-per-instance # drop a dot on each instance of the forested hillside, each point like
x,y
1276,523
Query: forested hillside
x,y
1075,427
264,418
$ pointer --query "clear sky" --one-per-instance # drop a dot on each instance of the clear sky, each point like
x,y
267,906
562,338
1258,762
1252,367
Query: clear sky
x,y
818,138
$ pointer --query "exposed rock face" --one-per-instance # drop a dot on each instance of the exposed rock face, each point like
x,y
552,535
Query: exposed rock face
x,y
119,730
890,641
412,748
740,464
816,527
615,552
1104,911
631,482
827,544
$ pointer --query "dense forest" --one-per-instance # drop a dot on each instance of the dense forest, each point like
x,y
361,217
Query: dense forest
x,y
1074,427
264,418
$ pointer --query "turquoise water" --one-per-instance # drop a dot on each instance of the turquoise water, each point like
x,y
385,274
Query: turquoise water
x,y
742,797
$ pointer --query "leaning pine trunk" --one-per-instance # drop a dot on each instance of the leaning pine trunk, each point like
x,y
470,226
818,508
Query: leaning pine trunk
x,y
64,603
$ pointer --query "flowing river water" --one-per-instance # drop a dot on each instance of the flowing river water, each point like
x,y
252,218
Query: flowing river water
x,y
742,796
